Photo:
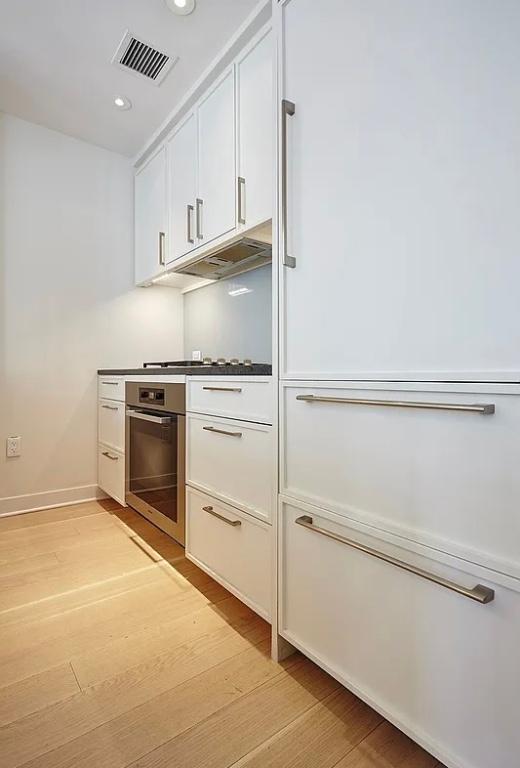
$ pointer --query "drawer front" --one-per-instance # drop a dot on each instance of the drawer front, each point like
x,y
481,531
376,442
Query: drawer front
x,y
111,472
232,460
111,424
236,399
232,547
447,478
441,666
111,388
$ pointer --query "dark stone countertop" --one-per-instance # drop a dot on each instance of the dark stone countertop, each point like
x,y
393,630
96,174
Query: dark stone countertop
x,y
257,369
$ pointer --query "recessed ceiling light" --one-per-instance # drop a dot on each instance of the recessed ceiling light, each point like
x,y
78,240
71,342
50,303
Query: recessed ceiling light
x,y
181,7
121,102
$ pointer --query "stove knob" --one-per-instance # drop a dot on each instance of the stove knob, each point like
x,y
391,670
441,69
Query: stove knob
x,y
234,361
247,361
207,361
221,361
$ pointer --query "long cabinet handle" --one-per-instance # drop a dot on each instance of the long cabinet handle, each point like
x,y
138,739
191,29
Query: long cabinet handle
x,y
479,593
199,204
241,191
109,456
112,383
223,389
211,511
110,407
162,260
486,408
288,109
189,212
223,432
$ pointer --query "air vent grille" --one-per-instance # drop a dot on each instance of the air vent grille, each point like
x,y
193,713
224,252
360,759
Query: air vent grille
x,y
142,59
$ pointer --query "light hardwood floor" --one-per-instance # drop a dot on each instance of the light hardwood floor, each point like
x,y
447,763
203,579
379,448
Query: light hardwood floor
x,y
116,651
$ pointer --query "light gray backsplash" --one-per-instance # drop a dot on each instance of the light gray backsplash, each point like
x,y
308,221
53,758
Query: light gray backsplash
x,y
222,322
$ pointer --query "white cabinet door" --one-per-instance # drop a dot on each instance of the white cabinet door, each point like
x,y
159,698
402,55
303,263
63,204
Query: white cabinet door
x,y
150,218
255,134
182,173
403,189
216,161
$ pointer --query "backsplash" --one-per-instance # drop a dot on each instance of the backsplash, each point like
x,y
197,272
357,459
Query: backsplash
x,y
231,318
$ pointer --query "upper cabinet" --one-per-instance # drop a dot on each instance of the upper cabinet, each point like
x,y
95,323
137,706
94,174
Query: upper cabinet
x,y
215,206
182,173
150,218
255,134
212,179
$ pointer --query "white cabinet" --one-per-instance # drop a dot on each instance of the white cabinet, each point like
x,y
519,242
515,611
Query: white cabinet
x,y
182,174
403,190
434,464
215,204
150,218
251,400
111,436
255,113
441,666
232,547
111,472
111,424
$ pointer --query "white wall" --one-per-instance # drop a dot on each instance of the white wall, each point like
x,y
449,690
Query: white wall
x,y
67,306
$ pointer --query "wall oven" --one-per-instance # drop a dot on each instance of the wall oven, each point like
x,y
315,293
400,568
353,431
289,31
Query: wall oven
x,y
155,454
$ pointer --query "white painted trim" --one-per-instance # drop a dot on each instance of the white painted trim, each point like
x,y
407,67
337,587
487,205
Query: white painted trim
x,y
256,19
33,502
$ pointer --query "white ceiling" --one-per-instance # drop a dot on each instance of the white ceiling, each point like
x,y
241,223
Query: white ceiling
x,y
55,62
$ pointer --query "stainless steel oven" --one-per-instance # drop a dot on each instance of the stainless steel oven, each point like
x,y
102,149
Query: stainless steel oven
x,y
155,454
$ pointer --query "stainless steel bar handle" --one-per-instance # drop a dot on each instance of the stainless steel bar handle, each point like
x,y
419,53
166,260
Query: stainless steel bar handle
x,y
149,417
241,191
112,383
222,432
199,203
110,407
288,109
479,593
486,408
223,389
211,511
162,261
189,211
109,456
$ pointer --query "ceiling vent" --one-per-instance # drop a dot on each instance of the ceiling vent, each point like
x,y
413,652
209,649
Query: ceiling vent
x,y
134,55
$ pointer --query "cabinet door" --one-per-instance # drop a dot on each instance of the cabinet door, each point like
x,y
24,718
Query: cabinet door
x,y
182,170
255,134
403,190
150,218
216,123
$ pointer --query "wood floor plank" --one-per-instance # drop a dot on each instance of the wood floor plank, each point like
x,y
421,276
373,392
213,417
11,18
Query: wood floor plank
x,y
137,731
387,747
36,692
243,724
45,516
319,738
133,649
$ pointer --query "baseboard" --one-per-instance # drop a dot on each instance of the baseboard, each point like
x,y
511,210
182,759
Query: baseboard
x,y
31,502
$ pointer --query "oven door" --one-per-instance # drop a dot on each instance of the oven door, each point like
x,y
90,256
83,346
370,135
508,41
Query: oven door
x,y
155,473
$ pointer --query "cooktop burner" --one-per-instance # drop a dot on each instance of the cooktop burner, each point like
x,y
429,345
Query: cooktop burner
x,y
196,363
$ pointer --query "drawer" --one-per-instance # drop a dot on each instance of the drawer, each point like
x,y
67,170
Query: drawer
x,y
439,665
111,424
111,472
233,398
111,388
233,460
445,477
232,547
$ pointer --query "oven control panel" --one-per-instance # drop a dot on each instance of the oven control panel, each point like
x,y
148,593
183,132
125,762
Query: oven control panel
x,y
151,396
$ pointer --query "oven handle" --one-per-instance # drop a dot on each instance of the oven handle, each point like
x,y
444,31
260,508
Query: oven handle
x,y
149,417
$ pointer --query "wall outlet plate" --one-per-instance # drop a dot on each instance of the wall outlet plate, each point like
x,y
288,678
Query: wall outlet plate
x,y
196,355
13,446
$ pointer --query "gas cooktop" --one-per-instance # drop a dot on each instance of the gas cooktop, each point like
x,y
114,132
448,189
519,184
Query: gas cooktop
x,y
196,363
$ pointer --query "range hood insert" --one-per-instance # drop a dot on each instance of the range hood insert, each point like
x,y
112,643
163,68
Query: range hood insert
x,y
231,259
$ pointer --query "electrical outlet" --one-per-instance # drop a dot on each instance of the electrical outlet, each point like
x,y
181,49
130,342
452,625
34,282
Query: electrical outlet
x,y
196,355
13,446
